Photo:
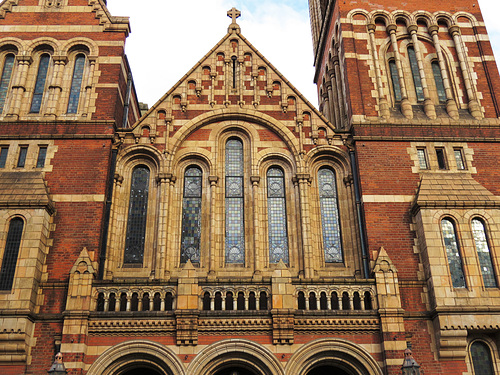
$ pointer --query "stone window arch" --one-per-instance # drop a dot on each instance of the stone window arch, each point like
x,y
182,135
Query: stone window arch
x,y
481,358
455,261
482,244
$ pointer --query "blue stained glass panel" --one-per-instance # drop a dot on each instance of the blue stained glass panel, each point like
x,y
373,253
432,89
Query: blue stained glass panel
x,y
412,56
481,359
137,216
76,84
453,254
330,219
483,253
276,216
235,226
41,77
191,216
5,80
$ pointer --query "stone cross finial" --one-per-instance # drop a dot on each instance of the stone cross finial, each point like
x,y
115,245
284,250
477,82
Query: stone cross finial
x,y
233,13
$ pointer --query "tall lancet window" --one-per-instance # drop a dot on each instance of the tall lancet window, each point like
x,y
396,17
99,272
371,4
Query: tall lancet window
x,y
483,253
5,80
235,227
76,84
481,359
137,216
41,78
11,253
191,216
415,71
453,253
330,218
276,216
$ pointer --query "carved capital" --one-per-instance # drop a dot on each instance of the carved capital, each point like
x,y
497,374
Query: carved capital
x,y
213,180
412,29
391,28
433,29
453,30
255,180
371,27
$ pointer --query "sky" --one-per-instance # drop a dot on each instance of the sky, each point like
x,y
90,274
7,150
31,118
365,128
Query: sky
x,y
169,37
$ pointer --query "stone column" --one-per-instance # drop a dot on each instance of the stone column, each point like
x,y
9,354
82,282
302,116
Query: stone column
x,y
335,99
429,107
167,247
451,104
474,108
340,94
382,101
331,110
19,84
304,181
326,106
258,256
213,180
88,85
55,88
406,108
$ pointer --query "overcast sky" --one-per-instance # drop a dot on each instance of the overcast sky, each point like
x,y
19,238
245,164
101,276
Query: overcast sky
x,y
169,37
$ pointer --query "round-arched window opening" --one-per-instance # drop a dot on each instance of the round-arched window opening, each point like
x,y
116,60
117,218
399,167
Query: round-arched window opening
x,y
325,370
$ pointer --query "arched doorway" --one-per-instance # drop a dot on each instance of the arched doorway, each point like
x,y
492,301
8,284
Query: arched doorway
x,y
235,371
327,370
141,371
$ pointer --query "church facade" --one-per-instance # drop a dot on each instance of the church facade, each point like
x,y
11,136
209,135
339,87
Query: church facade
x,y
234,229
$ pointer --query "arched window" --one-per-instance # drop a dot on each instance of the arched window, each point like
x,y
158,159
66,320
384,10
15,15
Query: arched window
x,y
276,216
483,253
76,84
453,253
137,216
330,219
41,78
191,216
419,90
11,253
395,80
438,78
481,359
5,80
235,227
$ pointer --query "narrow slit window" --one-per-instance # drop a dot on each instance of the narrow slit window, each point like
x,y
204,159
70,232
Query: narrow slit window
x,y
11,253
21,160
191,216
234,71
459,158
5,80
422,158
137,216
484,253
438,78
235,226
330,218
395,81
441,158
453,253
276,213
76,84
4,151
417,81
481,359
41,78
42,154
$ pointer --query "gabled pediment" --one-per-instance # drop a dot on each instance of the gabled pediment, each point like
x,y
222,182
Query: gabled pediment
x,y
233,76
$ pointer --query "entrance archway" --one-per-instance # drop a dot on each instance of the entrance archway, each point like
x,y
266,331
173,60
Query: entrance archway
x,y
327,370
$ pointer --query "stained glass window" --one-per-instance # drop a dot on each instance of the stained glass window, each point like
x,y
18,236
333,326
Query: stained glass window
x,y
42,153
235,227
5,80
438,78
41,77
395,80
330,219
481,359
276,214
76,84
4,151
137,216
11,253
191,216
459,158
412,56
483,253
453,253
